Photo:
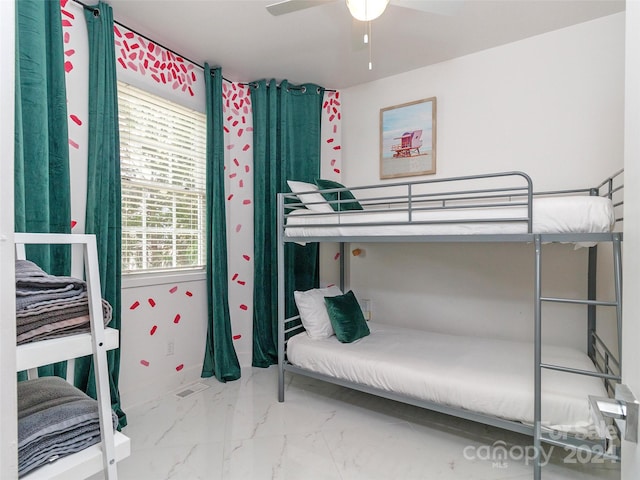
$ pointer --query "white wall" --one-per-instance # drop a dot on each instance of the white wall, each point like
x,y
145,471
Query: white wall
x,y
155,315
631,259
551,105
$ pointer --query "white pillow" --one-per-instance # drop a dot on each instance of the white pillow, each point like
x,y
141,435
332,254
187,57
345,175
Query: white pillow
x,y
310,200
313,311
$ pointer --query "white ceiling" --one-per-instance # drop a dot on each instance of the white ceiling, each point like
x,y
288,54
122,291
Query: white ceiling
x,y
318,45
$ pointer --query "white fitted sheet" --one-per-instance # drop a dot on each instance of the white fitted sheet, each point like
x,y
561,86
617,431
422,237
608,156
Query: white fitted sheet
x,y
489,376
558,214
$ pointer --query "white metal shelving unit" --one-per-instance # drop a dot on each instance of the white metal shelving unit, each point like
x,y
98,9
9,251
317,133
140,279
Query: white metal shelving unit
x,y
114,446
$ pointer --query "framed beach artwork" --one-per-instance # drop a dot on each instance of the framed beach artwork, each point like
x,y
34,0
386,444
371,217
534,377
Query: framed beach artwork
x,y
408,139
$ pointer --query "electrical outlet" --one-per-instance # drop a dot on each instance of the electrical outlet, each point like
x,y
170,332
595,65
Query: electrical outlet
x,y
170,346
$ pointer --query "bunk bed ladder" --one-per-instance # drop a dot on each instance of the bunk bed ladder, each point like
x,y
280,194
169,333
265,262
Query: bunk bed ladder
x,y
591,304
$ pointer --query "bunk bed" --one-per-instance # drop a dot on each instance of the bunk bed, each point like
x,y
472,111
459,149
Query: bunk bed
x,y
490,381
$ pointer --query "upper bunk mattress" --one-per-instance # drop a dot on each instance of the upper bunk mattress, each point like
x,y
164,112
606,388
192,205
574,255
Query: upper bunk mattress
x,y
489,376
560,214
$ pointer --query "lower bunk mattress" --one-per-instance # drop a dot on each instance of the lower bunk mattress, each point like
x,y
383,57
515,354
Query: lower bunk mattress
x,y
488,376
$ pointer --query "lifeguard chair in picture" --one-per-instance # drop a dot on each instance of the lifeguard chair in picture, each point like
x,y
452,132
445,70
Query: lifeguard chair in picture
x,y
409,141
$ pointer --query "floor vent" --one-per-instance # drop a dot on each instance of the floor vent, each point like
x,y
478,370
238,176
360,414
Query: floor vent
x,y
191,389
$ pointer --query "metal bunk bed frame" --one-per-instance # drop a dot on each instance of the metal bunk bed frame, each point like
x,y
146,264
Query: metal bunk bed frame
x,y
608,366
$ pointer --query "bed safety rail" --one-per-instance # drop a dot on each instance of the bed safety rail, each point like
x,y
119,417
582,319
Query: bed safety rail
x,y
472,192
612,188
491,207
606,362
292,326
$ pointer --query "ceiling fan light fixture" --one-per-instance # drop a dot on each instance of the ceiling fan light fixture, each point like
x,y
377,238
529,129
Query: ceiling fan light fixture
x,y
366,10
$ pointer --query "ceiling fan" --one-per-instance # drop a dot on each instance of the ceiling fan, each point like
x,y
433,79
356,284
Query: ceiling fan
x,y
367,10
364,11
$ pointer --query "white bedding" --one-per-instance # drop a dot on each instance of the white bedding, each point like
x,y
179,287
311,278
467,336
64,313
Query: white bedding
x,y
561,214
489,376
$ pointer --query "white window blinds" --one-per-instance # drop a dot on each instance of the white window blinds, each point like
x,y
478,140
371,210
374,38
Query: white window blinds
x,y
162,159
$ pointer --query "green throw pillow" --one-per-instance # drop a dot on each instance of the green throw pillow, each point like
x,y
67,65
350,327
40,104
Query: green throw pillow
x,y
333,196
346,317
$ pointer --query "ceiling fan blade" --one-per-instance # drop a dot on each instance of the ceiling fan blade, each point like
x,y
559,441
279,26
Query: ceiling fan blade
x,y
440,7
289,6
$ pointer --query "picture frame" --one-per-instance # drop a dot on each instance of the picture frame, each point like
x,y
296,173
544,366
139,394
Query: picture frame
x,y
408,139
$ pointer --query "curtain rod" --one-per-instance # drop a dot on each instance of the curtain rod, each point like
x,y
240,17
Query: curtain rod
x,y
97,13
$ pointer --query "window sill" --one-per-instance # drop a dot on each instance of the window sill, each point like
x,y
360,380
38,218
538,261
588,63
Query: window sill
x,y
135,280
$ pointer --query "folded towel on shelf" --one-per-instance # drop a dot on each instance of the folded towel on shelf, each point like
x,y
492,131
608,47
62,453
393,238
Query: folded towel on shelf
x,y
56,320
26,319
49,306
62,328
55,419
34,286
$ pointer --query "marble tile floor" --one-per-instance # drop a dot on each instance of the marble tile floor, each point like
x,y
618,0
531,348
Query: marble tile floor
x,y
239,431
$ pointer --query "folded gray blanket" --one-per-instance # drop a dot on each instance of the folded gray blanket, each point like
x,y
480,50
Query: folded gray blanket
x,y
34,286
55,419
33,318
49,306
63,328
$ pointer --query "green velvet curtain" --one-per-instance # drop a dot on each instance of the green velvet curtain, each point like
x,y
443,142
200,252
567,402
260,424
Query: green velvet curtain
x,y
286,142
103,216
220,357
42,186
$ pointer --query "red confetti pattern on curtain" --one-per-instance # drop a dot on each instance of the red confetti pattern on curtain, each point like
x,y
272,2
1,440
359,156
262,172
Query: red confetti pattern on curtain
x,y
147,58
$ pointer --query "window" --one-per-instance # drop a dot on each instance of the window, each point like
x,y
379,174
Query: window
x,y
162,158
